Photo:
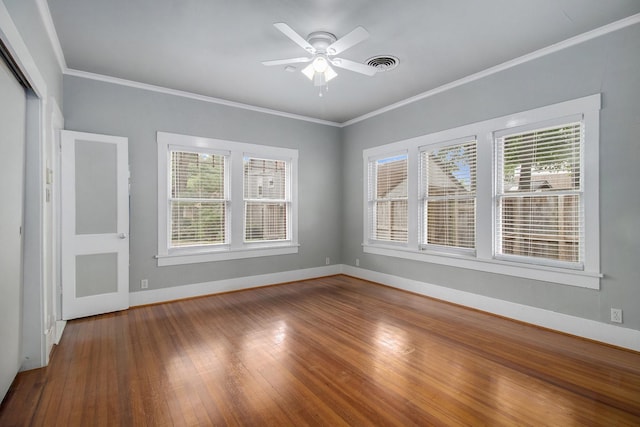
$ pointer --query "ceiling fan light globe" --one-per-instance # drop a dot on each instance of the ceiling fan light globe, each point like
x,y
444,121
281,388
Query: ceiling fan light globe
x,y
320,64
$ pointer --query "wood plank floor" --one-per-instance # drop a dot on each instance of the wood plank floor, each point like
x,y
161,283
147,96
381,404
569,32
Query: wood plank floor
x,y
332,351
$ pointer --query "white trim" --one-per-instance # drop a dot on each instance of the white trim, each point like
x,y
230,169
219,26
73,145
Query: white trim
x,y
57,125
227,285
585,328
528,271
573,41
224,255
60,325
191,95
47,21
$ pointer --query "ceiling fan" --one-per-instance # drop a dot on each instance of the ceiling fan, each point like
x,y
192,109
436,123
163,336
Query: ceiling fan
x,y
323,46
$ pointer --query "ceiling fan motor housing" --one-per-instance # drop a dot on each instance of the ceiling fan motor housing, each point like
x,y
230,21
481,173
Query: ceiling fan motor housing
x,y
321,40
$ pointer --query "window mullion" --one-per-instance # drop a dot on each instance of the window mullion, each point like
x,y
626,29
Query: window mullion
x,y
485,204
236,205
413,192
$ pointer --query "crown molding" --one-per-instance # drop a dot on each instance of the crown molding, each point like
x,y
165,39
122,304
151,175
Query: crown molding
x,y
573,41
191,95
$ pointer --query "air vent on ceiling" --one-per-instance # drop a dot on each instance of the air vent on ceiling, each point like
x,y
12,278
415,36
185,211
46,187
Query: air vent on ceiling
x,y
383,62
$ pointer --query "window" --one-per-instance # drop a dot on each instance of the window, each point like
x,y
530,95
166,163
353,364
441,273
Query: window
x,y
266,210
519,197
388,198
538,194
199,181
198,202
448,195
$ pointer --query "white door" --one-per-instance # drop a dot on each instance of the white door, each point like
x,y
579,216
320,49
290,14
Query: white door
x,y
95,224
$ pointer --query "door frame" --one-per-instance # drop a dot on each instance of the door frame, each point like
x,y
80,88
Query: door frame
x,y
51,250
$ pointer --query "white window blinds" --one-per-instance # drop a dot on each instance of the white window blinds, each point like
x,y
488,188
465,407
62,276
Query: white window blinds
x,y
448,195
197,202
266,199
539,194
388,199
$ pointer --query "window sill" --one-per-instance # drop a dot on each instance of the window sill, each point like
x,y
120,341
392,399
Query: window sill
x,y
224,255
583,279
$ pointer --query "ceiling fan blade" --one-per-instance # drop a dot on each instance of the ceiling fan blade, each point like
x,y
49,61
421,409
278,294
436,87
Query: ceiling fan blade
x,y
354,66
286,61
297,38
351,39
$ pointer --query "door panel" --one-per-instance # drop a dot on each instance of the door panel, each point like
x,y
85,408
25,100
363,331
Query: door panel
x,y
98,272
95,224
96,190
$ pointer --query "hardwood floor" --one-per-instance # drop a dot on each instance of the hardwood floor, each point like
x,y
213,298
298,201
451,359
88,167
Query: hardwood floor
x,y
331,351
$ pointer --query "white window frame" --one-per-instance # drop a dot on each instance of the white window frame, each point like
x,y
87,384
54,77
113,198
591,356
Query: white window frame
x,y
287,200
484,258
235,247
225,156
424,245
578,265
372,200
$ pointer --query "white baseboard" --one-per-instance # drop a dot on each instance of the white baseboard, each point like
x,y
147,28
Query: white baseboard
x,y
60,324
215,287
590,329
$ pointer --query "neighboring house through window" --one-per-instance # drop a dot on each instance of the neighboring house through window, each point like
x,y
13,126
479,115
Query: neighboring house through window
x,y
267,208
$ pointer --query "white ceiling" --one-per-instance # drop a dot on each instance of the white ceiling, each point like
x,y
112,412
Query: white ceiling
x,y
214,47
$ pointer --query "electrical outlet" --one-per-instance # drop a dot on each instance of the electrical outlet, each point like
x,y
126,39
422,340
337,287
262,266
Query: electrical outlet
x,y
616,315
328,261
357,262
144,283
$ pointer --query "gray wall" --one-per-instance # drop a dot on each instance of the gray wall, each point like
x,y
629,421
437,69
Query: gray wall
x,y
99,107
610,65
